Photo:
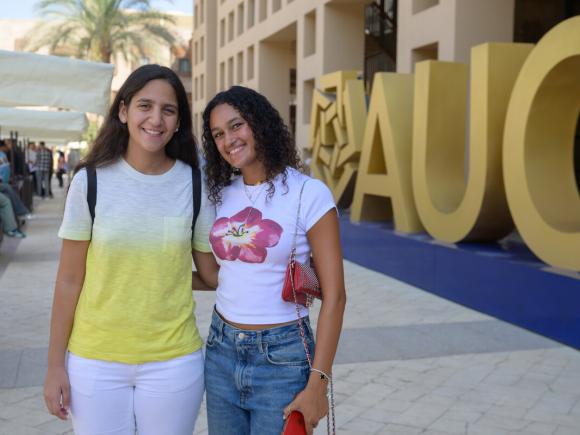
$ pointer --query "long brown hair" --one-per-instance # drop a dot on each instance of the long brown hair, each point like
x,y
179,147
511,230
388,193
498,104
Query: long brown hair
x,y
113,137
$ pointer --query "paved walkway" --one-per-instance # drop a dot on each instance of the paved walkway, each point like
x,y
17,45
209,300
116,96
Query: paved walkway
x,y
408,363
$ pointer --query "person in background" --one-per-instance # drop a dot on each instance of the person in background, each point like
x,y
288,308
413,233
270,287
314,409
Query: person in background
x,y
60,168
7,221
18,159
51,173
43,165
20,209
4,163
31,162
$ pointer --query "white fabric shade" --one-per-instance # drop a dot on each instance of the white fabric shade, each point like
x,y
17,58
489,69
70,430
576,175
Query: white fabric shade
x,y
43,125
29,79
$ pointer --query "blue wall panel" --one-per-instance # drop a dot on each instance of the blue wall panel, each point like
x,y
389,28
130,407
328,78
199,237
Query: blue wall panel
x,y
503,280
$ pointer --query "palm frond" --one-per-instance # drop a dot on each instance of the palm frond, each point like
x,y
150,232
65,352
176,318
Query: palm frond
x,y
99,29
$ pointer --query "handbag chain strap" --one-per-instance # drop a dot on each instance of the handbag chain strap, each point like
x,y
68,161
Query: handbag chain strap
x,y
330,395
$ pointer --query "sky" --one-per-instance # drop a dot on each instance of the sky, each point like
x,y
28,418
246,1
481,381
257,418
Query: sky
x,y
24,9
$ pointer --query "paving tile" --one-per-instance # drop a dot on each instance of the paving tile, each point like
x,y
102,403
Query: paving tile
x,y
55,426
502,422
15,395
398,429
379,415
421,415
16,429
362,426
451,426
541,428
566,431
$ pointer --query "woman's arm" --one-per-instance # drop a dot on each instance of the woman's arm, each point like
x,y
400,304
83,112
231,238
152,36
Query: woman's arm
x,y
206,275
69,282
324,240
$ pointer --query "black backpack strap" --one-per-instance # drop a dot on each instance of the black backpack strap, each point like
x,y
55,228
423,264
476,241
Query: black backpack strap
x,y
91,190
196,188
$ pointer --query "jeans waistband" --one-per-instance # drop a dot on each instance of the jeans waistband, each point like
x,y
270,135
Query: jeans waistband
x,y
222,328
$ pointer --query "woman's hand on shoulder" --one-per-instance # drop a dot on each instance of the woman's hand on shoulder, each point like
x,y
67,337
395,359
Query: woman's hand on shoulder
x,y
57,392
312,402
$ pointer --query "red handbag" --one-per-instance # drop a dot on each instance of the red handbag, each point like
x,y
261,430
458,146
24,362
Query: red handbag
x,y
295,424
301,284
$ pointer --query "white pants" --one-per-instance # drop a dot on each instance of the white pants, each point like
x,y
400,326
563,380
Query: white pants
x,y
118,399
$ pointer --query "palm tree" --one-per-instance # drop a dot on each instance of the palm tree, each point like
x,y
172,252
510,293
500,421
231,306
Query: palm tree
x,y
99,29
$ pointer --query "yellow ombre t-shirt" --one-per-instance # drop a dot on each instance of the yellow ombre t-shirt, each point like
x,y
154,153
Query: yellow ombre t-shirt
x,y
136,304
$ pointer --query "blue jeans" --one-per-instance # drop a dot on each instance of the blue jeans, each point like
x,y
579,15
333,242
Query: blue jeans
x,y
251,376
18,206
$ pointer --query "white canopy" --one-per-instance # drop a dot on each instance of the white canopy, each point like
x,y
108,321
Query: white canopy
x,y
28,79
43,125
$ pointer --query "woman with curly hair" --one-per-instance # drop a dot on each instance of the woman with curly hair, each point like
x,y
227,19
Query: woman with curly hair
x,y
256,368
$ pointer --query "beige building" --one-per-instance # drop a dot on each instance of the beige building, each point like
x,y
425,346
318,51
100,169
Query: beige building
x,y
13,35
278,47
447,29
282,47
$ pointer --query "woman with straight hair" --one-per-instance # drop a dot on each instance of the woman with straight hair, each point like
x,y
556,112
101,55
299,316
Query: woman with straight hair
x,y
124,352
261,361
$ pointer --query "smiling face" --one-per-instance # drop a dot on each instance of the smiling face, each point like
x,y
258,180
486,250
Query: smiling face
x,y
152,117
235,142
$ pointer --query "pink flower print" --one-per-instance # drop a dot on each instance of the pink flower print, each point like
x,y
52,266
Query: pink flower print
x,y
245,236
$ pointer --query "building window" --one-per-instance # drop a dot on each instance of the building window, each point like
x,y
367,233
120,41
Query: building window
x,y
222,76
310,33
240,68
307,100
202,49
421,5
202,86
251,13
195,95
427,52
293,82
196,53
241,16
230,72
250,63
263,10
222,32
184,66
231,26
276,5
195,17
201,11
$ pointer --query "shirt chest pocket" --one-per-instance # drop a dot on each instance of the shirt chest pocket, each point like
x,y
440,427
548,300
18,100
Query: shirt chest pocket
x,y
176,234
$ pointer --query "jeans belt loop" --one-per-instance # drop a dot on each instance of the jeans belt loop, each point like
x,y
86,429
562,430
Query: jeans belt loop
x,y
220,326
222,329
260,342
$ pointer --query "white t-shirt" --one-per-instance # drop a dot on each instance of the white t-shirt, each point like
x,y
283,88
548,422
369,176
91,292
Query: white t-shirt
x,y
252,239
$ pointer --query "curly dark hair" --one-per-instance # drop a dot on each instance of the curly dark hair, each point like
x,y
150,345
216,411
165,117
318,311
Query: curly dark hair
x,y
275,147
